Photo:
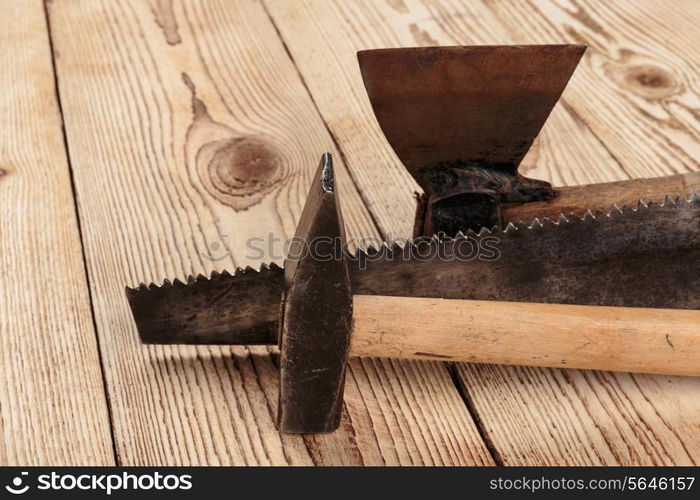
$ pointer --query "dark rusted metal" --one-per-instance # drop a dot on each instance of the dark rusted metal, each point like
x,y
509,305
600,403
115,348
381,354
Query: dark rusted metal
x,y
462,118
316,315
642,257
238,308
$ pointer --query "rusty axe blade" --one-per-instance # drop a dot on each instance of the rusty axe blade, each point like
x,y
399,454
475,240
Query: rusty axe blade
x,y
461,120
481,104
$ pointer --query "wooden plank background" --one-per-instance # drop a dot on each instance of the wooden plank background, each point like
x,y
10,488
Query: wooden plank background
x,y
52,404
157,96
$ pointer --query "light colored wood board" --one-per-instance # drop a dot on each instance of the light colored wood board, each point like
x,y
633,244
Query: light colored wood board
x,y
53,407
639,88
572,417
322,38
411,406
188,125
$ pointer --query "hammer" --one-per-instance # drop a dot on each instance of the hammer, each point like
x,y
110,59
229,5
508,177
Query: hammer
x,y
322,323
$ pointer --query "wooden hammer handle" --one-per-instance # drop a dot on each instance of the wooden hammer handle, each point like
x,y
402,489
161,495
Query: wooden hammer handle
x,y
665,341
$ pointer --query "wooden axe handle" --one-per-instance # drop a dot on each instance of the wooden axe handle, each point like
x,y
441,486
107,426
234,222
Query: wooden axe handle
x,y
576,199
665,341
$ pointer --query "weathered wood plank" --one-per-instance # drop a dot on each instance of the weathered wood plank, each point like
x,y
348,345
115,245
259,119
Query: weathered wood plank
x,y
53,409
638,88
190,133
529,415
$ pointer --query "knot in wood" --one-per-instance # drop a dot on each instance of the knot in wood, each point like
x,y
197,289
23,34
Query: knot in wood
x,y
650,81
242,170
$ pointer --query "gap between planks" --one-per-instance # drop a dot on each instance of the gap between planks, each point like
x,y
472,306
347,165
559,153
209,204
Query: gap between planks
x,y
47,20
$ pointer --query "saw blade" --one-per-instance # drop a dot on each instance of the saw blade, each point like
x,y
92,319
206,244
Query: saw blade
x,y
646,256
642,256
224,308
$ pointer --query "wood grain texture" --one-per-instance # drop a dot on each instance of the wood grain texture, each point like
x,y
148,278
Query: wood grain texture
x,y
626,339
639,86
529,415
53,409
541,416
190,132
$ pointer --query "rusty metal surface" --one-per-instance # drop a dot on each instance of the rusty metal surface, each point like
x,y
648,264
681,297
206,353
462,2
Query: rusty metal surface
x,y
238,308
644,258
462,118
316,316
648,256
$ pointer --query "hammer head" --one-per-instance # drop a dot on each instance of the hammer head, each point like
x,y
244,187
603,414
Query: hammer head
x,y
316,314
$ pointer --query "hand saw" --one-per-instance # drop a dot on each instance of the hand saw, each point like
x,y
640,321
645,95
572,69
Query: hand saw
x,y
460,119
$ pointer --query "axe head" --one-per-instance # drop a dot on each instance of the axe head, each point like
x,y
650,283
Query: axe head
x,y
462,118
316,314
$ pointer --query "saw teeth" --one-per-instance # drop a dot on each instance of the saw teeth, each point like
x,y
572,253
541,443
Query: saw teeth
x,y
628,210
547,222
614,210
371,250
398,247
200,278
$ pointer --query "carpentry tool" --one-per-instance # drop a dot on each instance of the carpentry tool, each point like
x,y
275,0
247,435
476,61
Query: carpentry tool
x,y
622,284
